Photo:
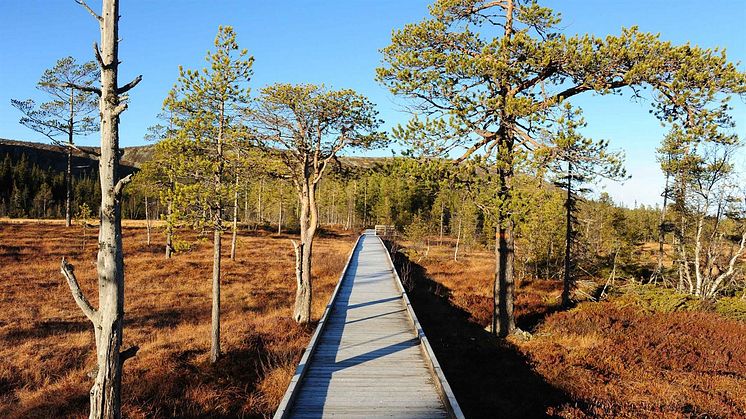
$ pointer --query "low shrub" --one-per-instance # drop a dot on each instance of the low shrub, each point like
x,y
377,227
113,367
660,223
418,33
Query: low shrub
x,y
732,307
653,298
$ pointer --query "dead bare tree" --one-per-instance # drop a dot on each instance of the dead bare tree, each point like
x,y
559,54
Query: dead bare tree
x,y
108,319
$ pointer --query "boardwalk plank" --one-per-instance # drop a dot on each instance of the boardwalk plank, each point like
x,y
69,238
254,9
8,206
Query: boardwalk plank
x,y
368,361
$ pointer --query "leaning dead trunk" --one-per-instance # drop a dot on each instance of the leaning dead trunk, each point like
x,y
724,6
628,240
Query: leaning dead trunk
x,y
109,318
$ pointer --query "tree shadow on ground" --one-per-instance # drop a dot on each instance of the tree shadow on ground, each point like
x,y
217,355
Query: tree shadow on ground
x,y
530,320
489,376
44,329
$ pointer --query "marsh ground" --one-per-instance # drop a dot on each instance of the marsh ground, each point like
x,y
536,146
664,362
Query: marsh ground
x,y
46,342
640,353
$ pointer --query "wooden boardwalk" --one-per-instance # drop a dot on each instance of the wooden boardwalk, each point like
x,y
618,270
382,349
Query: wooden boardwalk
x,y
369,357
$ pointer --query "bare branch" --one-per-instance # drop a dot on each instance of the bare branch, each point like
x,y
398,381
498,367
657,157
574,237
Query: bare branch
x,y
128,353
119,109
731,267
91,89
121,184
75,147
69,272
127,87
97,53
487,137
94,14
574,90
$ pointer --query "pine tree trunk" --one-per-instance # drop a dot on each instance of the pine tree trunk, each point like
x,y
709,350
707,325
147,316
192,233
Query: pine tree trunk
x,y
568,239
458,240
215,329
106,391
68,189
279,217
69,177
442,214
503,321
661,233
354,205
217,244
235,220
169,230
365,205
259,204
147,219
308,225
246,205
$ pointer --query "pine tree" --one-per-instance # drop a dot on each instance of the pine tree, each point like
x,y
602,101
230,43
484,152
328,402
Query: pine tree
x,y
208,104
488,94
575,162
70,111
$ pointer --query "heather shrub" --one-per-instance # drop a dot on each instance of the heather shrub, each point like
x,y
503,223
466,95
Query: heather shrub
x,y
653,298
732,307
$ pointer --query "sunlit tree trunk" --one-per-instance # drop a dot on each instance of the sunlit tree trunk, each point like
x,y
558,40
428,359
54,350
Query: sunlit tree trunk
x,y
169,229
308,225
147,219
279,216
105,396
217,242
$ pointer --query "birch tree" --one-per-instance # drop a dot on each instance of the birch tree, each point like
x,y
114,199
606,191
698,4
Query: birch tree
x,y
307,126
70,111
209,103
108,319
708,212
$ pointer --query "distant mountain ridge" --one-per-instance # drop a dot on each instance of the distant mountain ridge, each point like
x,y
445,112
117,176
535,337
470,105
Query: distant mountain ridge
x,y
55,157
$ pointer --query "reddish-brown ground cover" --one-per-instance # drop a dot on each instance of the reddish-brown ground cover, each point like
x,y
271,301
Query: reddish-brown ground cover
x,y
605,359
46,342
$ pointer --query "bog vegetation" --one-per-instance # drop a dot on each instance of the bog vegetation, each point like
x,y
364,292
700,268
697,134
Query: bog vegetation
x,y
495,167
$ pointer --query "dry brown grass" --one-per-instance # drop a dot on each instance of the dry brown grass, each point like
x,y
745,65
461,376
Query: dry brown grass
x,y
46,342
597,360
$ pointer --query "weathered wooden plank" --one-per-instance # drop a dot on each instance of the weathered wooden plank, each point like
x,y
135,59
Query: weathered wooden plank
x,y
367,360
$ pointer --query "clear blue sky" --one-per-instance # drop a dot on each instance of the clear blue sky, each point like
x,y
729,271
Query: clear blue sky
x,y
336,43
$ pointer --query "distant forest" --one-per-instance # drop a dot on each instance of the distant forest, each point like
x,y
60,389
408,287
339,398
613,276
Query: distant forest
x,y
392,192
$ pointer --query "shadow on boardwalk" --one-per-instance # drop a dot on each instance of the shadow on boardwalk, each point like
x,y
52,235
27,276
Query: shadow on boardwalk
x,y
489,377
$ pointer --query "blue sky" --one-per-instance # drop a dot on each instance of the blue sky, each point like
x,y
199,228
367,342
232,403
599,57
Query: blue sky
x,y
336,43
